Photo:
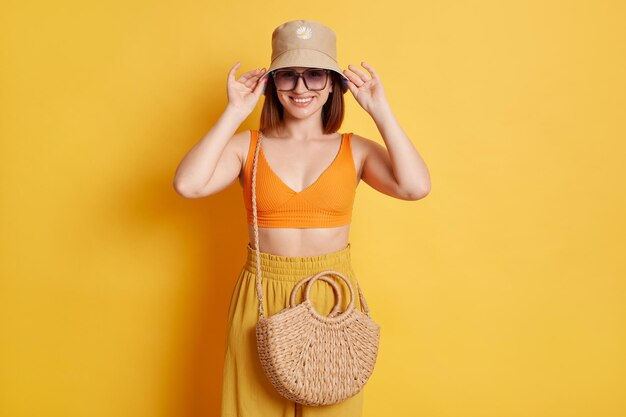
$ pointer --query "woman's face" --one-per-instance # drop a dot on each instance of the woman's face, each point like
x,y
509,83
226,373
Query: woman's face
x,y
300,102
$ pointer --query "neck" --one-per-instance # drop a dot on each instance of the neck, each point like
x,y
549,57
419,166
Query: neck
x,y
302,129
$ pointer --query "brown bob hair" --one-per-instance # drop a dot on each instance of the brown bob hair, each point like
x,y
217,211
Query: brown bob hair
x,y
332,112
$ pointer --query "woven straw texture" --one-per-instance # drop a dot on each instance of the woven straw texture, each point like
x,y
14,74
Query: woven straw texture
x,y
309,358
315,361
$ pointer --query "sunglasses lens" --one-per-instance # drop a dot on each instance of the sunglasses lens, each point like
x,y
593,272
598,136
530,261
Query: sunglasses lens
x,y
285,80
315,79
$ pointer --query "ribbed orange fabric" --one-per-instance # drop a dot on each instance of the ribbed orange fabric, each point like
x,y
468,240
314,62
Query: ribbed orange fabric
x,y
327,202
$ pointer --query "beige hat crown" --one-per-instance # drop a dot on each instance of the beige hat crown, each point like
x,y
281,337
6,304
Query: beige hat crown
x,y
305,43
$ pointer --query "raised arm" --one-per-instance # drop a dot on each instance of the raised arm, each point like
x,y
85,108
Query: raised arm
x,y
398,171
213,163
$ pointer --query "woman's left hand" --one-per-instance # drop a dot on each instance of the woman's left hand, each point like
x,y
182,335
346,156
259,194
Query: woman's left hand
x,y
367,91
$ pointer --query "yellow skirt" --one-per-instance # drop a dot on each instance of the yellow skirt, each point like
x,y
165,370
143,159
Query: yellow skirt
x,y
246,391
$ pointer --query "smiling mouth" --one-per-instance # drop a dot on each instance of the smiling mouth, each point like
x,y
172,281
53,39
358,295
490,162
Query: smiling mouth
x,y
301,100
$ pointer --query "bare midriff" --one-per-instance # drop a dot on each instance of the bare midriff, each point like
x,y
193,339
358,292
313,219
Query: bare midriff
x,y
302,241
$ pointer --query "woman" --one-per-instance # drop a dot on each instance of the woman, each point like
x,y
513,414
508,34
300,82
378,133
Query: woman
x,y
307,175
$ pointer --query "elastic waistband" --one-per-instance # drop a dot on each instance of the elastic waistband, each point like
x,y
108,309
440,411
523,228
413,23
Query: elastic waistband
x,y
294,268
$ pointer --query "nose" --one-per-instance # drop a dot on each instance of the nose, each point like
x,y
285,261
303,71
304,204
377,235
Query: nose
x,y
300,87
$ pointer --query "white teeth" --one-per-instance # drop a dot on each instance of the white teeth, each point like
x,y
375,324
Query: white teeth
x,y
302,100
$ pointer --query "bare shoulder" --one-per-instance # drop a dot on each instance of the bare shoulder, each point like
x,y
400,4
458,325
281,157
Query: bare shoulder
x,y
361,143
240,143
361,148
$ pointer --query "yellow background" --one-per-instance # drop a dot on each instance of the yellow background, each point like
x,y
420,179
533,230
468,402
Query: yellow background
x,y
501,294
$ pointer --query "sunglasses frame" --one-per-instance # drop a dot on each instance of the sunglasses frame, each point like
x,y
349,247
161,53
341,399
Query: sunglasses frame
x,y
301,75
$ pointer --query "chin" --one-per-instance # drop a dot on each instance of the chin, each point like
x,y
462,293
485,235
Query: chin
x,y
302,113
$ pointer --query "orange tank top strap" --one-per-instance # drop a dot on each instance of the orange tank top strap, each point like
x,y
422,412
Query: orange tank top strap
x,y
254,137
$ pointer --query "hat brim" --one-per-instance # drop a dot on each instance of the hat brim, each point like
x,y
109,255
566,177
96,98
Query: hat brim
x,y
307,58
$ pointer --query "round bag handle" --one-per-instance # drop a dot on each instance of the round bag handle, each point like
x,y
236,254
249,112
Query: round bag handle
x,y
338,298
321,275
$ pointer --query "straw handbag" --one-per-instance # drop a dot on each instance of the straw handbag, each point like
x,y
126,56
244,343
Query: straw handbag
x,y
309,358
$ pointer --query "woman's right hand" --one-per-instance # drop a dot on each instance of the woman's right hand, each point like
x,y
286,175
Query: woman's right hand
x,y
244,93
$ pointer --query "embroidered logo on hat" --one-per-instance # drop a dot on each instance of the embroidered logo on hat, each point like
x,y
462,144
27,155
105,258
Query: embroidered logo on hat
x,y
304,32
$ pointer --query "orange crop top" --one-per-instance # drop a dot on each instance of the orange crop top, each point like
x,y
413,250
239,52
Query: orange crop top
x,y
325,203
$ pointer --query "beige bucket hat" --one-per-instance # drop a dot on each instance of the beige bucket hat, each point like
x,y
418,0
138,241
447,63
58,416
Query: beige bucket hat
x,y
305,43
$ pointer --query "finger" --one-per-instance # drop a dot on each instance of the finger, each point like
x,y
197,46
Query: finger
x,y
260,87
353,88
251,73
358,72
233,70
258,74
251,77
353,78
371,70
254,77
245,76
